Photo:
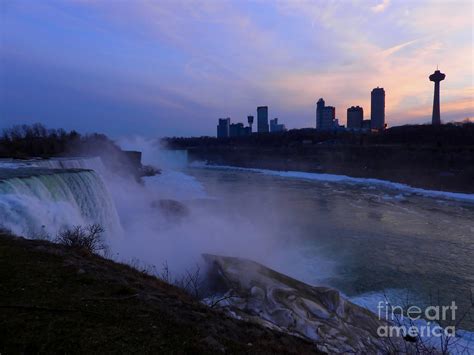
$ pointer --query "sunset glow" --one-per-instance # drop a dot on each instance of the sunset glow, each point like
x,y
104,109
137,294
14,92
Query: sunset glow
x,y
174,67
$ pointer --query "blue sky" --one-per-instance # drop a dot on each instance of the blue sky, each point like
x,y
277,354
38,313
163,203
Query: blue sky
x,y
174,67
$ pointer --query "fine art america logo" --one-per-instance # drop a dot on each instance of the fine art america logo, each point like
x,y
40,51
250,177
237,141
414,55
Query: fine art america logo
x,y
415,321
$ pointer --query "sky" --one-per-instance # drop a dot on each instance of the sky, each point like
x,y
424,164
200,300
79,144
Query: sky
x,y
173,67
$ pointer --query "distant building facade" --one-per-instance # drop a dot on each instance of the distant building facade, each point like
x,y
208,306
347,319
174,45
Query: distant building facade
x,y
328,117
226,129
276,127
377,108
223,128
325,116
355,116
262,119
250,121
366,125
237,130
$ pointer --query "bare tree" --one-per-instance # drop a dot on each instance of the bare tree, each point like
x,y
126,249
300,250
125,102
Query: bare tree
x,y
88,238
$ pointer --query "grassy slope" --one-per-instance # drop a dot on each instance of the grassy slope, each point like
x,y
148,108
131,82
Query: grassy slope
x,y
54,299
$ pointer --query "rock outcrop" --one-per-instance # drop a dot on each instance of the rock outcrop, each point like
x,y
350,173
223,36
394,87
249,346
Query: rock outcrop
x,y
258,294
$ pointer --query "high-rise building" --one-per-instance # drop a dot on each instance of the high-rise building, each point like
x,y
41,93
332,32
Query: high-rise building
x,y
226,129
328,118
275,127
377,108
319,113
355,116
223,128
437,76
325,116
262,119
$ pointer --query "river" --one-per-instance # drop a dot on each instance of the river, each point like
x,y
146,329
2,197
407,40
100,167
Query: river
x,y
368,240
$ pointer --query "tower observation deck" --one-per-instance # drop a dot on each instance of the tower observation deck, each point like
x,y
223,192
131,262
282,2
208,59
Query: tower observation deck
x,y
437,76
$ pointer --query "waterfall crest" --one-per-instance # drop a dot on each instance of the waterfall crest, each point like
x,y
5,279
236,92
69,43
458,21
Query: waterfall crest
x,y
92,163
43,203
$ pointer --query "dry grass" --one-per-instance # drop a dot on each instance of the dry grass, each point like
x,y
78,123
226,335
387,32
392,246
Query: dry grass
x,y
56,299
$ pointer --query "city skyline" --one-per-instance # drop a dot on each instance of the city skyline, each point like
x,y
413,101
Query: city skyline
x,y
326,119
172,68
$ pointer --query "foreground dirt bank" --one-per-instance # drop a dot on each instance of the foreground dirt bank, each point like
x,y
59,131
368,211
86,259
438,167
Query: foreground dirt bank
x,y
57,300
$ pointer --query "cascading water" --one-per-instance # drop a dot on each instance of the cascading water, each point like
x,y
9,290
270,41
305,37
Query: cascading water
x,y
93,163
37,202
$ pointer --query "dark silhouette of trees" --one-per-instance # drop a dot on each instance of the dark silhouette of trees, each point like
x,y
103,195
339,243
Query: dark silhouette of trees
x,y
24,141
459,134
36,141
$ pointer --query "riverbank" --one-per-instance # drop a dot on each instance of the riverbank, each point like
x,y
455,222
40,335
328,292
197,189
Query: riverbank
x,y
421,167
55,299
423,156
332,178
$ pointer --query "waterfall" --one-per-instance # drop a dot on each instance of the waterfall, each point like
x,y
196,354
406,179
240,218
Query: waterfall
x,y
93,163
35,202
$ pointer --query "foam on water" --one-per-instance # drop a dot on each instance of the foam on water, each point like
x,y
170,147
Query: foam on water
x,y
176,159
176,185
345,179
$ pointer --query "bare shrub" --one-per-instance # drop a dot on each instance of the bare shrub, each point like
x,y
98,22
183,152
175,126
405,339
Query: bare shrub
x,y
87,238
421,345
191,282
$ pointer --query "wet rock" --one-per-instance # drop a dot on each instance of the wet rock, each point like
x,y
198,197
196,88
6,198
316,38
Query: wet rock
x,y
277,301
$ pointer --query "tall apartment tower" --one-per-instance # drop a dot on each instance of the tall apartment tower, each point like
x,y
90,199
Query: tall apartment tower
x,y
319,113
437,76
325,116
377,108
262,119
355,116
223,128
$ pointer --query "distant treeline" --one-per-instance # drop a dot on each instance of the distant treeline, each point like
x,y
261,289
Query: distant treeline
x,y
36,141
460,134
24,141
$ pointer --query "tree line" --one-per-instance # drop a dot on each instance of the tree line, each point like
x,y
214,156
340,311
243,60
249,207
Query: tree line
x,y
23,141
459,134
